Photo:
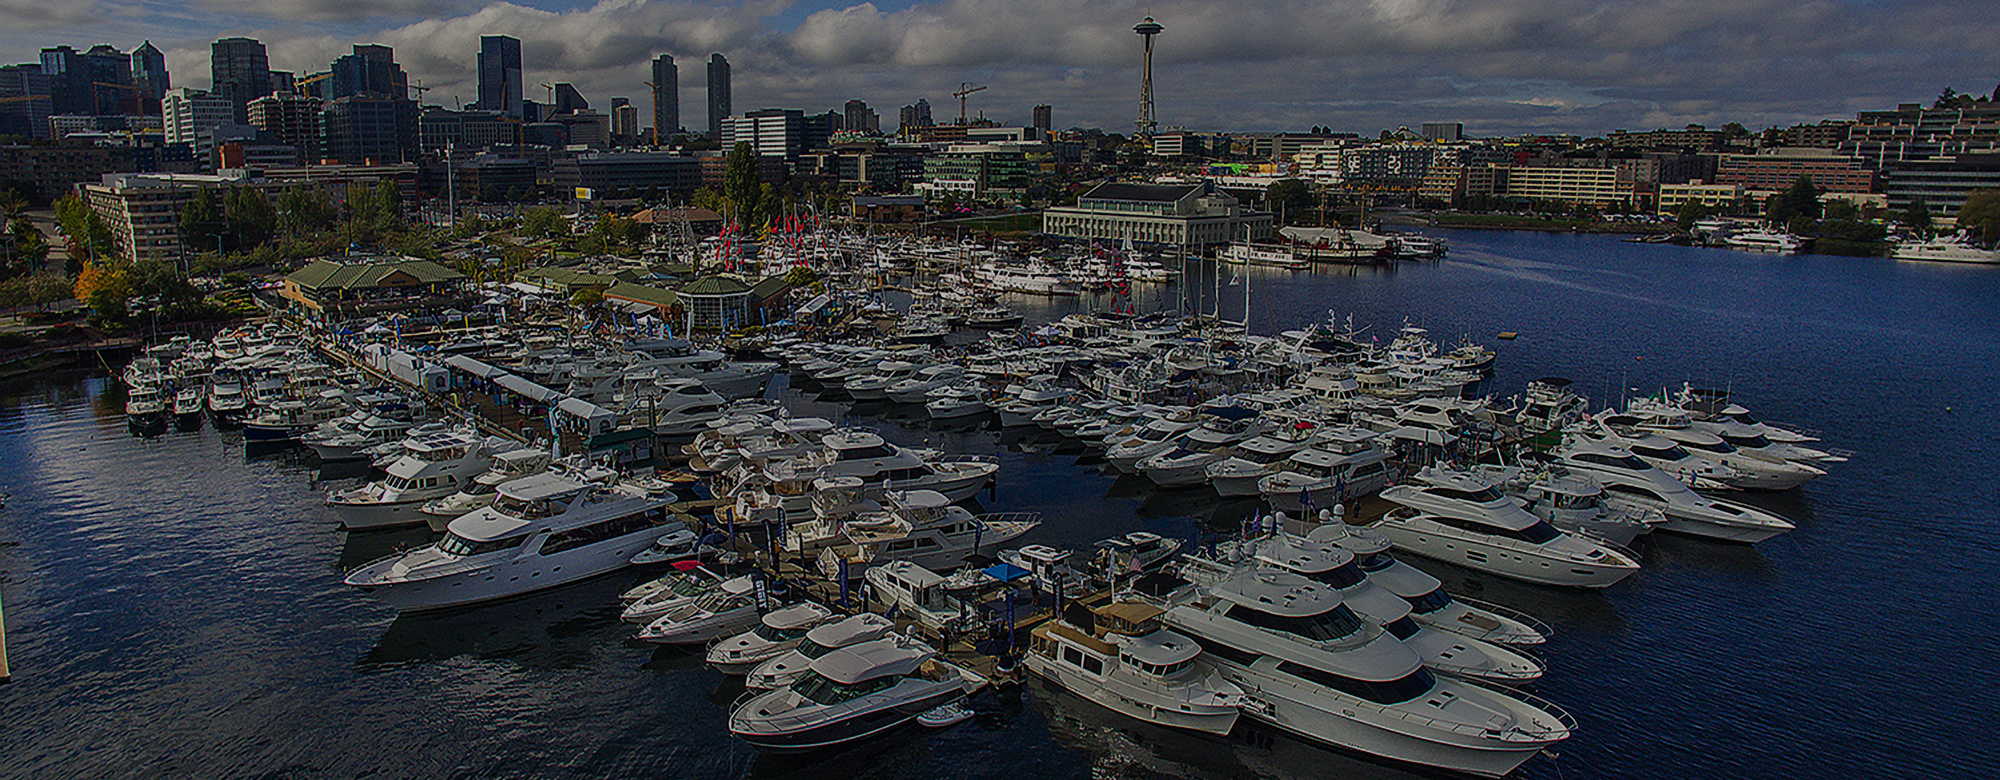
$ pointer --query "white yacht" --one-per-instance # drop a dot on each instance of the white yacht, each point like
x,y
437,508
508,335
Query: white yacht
x,y
1156,437
286,419
1947,249
729,609
1253,460
1336,567
1575,503
1184,465
673,406
479,493
1273,255
1769,241
1430,605
1331,471
786,667
924,527
145,405
853,693
188,403
854,453
542,531
875,386
1321,672
646,604
1037,395
434,466
776,634
955,401
915,389
1461,518
226,399
1629,481
1120,657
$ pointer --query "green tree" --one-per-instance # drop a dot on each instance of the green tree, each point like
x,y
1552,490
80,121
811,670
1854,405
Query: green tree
x,y
1292,196
545,222
739,182
30,247
202,224
1801,199
159,278
87,235
587,297
304,212
1980,218
251,220
1918,217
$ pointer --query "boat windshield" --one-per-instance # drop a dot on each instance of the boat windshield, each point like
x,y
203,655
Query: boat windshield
x,y
453,544
1714,446
770,634
860,453
811,649
1663,453
1403,627
1628,462
1485,495
1346,575
1756,442
1374,561
1429,602
1323,627
1539,533
826,693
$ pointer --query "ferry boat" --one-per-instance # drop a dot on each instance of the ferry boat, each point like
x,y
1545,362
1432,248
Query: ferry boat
x,y
542,531
1271,255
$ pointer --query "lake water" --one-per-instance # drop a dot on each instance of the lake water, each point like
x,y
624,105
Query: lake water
x,y
174,604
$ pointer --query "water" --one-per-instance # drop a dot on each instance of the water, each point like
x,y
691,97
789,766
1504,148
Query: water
x,y
174,605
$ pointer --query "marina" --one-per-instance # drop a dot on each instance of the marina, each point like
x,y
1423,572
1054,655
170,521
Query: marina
x,y
1727,567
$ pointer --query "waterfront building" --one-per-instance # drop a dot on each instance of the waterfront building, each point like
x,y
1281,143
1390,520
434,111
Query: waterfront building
x,y
239,72
718,94
978,169
666,99
1774,169
1599,187
1912,132
500,76
1943,182
1193,215
354,285
188,113
1673,196
149,77
143,211
716,303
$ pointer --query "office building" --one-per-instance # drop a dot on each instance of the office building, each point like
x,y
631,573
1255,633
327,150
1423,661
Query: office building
x,y
1673,196
1777,168
108,77
462,132
292,120
1447,132
1942,183
25,101
149,77
858,117
69,82
915,115
1044,119
187,113
772,132
239,72
666,99
628,172
370,70
500,75
718,94
370,129
143,211
568,100
624,122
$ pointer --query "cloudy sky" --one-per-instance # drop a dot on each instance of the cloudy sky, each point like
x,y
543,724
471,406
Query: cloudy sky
x,y
1500,66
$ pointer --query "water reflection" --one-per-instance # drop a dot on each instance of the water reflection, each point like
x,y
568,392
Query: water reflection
x,y
363,546
559,628
1570,608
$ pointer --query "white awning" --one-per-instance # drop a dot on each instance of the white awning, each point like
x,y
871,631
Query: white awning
x,y
813,306
532,391
474,367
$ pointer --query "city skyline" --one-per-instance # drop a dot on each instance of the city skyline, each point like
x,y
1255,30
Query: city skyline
x,y
1501,68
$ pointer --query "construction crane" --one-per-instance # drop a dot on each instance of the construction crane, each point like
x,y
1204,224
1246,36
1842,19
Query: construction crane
x,y
964,88
419,88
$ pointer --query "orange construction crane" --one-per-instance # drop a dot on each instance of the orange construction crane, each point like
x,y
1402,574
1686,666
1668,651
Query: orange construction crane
x,y
960,94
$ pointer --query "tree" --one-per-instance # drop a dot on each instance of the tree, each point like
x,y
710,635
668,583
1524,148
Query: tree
x,y
31,248
1291,195
104,288
160,279
543,222
248,214
587,297
202,224
87,235
739,182
1980,218
304,212
1918,216
1801,199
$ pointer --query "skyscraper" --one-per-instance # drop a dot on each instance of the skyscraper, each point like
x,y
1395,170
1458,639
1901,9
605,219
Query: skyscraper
x,y
149,75
568,100
109,72
69,81
718,94
370,70
500,74
1044,118
240,72
666,98
859,118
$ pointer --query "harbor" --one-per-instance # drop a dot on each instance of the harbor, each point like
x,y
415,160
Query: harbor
x,y
1696,632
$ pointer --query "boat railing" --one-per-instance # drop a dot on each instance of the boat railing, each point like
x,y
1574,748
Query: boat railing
x,y
1565,723
966,459
1515,615
1010,517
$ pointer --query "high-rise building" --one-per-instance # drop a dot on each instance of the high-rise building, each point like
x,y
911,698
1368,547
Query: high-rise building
x,y
69,81
25,101
188,113
666,98
624,121
240,72
718,94
568,100
149,76
917,114
292,120
858,117
284,83
772,132
500,75
1044,118
1448,132
362,129
370,70
109,72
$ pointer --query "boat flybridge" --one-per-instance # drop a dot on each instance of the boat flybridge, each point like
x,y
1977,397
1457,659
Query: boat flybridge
x,y
1325,674
1430,605
1331,565
853,693
786,667
482,489
864,455
1120,656
1629,481
432,466
776,633
1460,517
541,531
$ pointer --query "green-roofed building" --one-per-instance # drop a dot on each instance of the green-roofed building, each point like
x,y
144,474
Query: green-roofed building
x,y
357,284
717,303
642,299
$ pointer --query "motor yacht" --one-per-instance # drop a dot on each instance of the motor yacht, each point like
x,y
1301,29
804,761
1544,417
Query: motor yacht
x,y
1182,466
673,407
646,604
875,386
1330,472
482,489
1768,241
786,667
1318,670
776,634
729,609
915,389
1154,438
1137,551
1550,404
1430,605
1336,567
145,405
852,693
924,527
1251,462
1575,503
862,454
542,531
345,443
226,400
954,402
676,547
1120,657
1948,249
1629,481
431,467
1038,395
287,419
1461,518
188,404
